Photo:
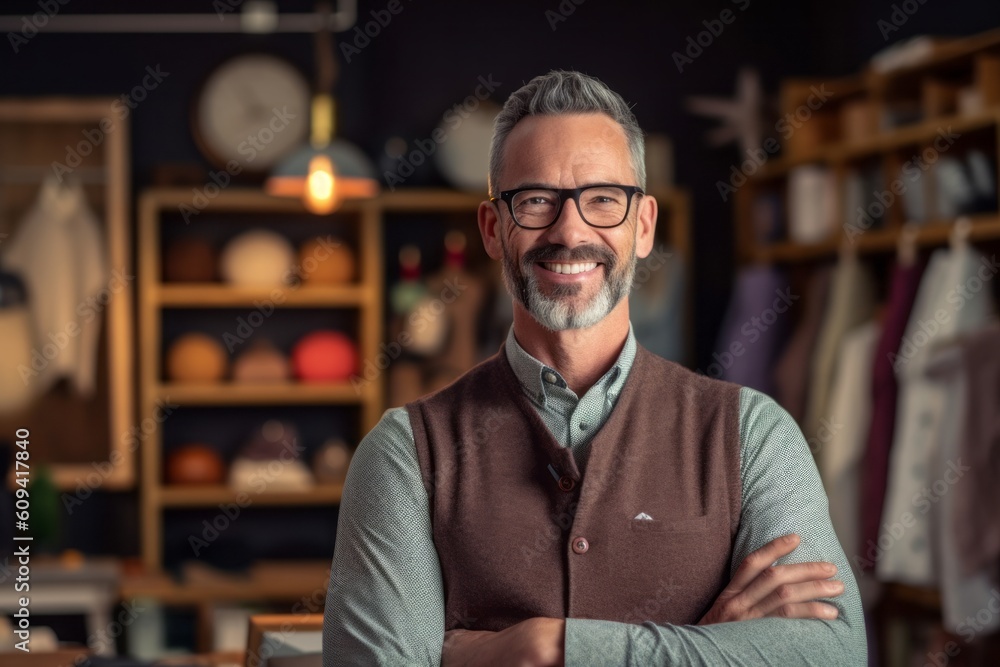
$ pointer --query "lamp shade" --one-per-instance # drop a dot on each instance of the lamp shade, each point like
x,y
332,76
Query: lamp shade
x,y
353,172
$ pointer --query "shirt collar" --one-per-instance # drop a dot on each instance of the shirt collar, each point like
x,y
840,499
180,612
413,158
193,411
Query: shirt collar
x,y
538,380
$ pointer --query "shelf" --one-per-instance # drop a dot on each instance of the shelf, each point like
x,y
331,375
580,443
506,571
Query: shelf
x,y
911,135
304,581
209,496
261,394
984,228
210,295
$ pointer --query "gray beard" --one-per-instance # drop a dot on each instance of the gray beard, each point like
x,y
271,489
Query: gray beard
x,y
553,311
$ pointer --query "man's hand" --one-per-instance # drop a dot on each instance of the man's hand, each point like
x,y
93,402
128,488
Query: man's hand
x,y
536,642
760,589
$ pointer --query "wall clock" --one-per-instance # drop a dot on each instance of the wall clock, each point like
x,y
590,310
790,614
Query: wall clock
x,y
254,109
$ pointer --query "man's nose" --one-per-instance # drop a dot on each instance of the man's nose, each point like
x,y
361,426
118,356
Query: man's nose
x,y
569,229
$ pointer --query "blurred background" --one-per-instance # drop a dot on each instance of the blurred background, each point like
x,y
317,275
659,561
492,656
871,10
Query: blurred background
x,y
233,233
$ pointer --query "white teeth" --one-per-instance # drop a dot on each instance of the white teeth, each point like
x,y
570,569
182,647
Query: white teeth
x,y
578,267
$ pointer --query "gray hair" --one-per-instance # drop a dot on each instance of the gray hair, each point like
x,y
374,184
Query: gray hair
x,y
561,92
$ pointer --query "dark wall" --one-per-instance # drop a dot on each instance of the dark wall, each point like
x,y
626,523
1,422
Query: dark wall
x,y
431,54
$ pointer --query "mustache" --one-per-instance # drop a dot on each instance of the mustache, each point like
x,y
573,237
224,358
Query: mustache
x,y
560,253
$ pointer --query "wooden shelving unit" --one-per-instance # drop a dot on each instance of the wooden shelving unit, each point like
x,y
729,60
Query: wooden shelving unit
x,y
972,62
364,297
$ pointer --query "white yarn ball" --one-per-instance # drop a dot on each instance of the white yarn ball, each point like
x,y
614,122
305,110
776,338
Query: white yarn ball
x,y
258,258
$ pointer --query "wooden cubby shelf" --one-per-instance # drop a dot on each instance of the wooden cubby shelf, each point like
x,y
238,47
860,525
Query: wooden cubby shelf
x,y
223,296
262,394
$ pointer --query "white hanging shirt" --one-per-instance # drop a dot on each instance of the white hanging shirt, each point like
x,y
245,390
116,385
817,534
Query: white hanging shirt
x,y
58,250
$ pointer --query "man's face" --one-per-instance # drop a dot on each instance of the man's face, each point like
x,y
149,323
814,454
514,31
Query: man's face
x,y
569,275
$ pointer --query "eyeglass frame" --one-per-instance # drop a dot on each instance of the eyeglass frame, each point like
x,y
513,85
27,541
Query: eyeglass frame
x,y
507,196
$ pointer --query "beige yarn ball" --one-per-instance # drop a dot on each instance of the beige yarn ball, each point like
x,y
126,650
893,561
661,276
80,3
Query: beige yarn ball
x,y
197,358
258,258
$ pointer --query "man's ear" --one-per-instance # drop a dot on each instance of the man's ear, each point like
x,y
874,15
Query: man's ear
x,y
489,229
645,225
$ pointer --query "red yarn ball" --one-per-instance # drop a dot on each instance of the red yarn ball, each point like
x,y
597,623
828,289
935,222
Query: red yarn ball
x,y
325,356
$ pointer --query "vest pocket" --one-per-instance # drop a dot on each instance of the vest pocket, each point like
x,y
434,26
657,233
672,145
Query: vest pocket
x,y
694,524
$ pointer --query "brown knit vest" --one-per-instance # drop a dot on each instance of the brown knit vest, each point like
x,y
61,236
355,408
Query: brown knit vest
x,y
521,534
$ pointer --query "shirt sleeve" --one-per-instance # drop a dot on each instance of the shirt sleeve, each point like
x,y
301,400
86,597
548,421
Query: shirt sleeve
x,y
385,603
782,494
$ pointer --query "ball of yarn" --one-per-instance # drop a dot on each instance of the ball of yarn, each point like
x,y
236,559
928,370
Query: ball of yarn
x,y
191,260
262,362
257,258
326,261
195,463
324,356
195,357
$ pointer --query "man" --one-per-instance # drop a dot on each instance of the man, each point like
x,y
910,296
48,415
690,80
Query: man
x,y
575,499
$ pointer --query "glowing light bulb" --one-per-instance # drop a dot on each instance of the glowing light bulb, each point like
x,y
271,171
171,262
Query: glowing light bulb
x,y
321,194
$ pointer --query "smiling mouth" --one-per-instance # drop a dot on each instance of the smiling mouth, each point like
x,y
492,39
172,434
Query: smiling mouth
x,y
568,268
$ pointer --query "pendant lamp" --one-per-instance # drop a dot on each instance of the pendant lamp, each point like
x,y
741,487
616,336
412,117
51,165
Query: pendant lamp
x,y
328,170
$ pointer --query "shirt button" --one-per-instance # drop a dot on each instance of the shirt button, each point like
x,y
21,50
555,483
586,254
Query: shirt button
x,y
584,427
567,483
550,377
580,545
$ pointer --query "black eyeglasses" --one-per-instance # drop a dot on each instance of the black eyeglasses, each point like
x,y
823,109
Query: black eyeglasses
x,y
601,206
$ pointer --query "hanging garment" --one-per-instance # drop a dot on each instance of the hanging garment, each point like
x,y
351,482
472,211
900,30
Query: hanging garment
x,y
841,449
756,321
657,306
902,293
975,528
963,594
59,252
852,303
791,376
952,300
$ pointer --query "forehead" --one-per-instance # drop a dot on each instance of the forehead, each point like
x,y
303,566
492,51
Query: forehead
x,y
554,148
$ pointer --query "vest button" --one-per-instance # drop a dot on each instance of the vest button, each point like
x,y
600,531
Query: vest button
x,y
567,483
580,545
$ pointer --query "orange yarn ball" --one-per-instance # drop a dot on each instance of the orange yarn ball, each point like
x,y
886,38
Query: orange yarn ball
x,y
326,261
198,358
195,463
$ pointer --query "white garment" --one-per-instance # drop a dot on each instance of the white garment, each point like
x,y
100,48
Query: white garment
x,y
962,596
59,252
851,304
841,448
912,511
